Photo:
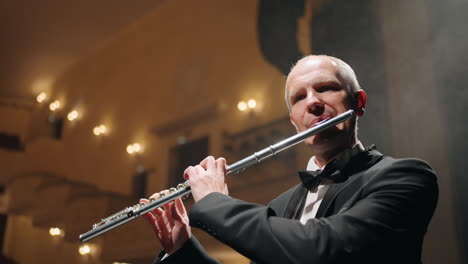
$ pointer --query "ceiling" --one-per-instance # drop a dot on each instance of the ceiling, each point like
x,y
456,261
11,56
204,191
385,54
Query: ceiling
x,y
40,39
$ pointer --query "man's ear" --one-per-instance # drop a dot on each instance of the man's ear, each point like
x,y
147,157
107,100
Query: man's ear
x,y
292,122
361,100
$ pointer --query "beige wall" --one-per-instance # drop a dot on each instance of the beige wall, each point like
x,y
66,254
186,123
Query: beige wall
x,y
161,69
182,57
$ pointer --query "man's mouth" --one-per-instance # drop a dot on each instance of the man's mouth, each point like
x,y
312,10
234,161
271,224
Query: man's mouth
x,y
317,120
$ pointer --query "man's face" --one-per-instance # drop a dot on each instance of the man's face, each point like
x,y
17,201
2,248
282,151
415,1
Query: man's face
x,y
316,92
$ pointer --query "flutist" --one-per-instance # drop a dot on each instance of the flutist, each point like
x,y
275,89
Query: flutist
x,y
353,205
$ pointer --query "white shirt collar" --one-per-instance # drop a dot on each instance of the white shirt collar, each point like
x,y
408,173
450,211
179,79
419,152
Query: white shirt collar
x,y
311,165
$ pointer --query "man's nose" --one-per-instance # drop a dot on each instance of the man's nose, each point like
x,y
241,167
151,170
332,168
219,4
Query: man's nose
x,y
315,106
316,109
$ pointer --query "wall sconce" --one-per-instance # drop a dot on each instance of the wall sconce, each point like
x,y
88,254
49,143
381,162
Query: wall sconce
x,y
54,105
55,231
84,249
242,106
250,104
73,115
100,130
134,148
41,97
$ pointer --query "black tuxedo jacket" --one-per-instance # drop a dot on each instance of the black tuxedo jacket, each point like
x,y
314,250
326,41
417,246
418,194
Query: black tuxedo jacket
x,y
379,215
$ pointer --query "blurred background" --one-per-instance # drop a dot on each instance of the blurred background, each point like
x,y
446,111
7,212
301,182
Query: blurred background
x,y
104,102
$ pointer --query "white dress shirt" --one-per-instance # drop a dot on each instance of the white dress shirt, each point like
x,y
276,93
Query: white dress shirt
x,y
314,197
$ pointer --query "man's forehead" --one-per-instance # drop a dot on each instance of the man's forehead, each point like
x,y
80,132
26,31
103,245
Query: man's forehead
x,y
320,66
315,62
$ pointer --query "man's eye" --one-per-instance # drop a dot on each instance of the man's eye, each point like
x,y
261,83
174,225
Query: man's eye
x,y
298,98
322,89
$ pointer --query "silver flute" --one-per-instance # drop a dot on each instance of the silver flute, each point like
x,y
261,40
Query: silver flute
x,y
183,189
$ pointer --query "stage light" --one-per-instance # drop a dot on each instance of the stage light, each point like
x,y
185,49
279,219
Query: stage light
x,y
54,105
137,147
55,231
103,129
84,249
130,149
252,103
134,148
99,130
72,115
41,97
242,106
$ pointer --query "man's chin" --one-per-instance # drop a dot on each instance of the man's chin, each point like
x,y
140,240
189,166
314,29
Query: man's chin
x,y
317,141
322,141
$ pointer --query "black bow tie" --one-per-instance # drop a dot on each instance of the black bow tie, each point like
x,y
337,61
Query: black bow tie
x,y
312,179
333,171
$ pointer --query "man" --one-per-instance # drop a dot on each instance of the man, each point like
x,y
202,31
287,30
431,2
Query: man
x,y
360,207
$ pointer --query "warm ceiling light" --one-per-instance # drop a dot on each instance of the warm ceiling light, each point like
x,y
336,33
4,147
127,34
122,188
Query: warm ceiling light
x,y
242,106
134,148
54,105
96,131
130,149
72,115
99,130
41,97
252,103
84,249
137,147
103,129
55,231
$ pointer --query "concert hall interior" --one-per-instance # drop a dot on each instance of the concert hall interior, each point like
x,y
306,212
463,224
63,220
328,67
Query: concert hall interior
x,y
105,102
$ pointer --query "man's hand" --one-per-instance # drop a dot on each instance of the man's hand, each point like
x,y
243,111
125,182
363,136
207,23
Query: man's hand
x,y
170,225
207,177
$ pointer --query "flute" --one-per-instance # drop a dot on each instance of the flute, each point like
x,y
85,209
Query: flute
x,y
183,189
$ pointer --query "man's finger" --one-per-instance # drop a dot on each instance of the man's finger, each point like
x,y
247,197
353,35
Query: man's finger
x,y
221,166
178,210
211,164
150,217
144,200
157,212
199,169
155,196
168,213
188,171
204,163
180,206
162,224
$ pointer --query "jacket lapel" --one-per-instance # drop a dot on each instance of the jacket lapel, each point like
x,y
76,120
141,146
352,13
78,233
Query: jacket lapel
x,y
332,193
296,203
356,169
